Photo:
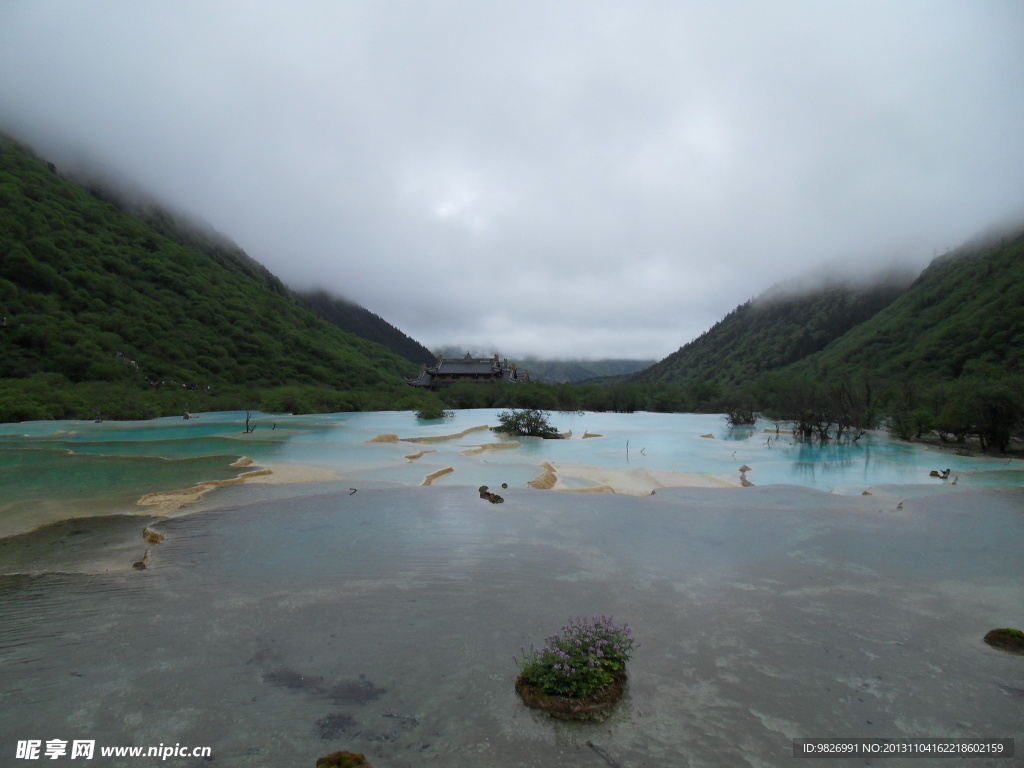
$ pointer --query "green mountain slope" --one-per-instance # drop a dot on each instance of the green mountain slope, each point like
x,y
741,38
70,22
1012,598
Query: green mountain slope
x,y
345,314
774,330
357,319
940,357
965,311
97,298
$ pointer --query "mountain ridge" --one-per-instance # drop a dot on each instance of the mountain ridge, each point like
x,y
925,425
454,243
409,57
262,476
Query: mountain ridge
x,y
966,307
129,315
92,295
773,330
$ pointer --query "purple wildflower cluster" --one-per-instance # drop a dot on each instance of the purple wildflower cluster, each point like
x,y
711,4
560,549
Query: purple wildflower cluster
x,y
585,657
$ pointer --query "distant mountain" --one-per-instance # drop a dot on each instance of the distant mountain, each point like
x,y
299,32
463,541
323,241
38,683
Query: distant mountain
x,y
356,319
574,371
101,311
783,325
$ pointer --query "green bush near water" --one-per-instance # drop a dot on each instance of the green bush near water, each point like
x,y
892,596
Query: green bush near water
x,y
433,411
528,422
580,661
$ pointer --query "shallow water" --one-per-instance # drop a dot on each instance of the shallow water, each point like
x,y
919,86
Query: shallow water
x,y
277,624
81,461
385,621
44,485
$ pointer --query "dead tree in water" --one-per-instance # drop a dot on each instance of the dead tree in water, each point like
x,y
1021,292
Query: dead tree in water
x,y
247,429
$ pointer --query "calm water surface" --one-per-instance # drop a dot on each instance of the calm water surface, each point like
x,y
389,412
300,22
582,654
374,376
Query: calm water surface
x,y
277,624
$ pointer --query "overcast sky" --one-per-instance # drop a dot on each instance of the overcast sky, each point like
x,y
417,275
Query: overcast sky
x,y
583,179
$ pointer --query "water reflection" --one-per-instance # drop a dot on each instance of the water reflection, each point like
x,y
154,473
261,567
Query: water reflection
x,y
738,433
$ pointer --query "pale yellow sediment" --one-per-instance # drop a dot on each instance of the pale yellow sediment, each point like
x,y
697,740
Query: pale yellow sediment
x,y
388,438
282,474
589,489
152,537
634,482
439,438
418,455
591,434
743,476
490,447
434,475
546,479
168,502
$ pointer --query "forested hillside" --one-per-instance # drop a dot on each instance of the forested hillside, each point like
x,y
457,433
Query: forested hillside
x,y
359,320
187,231
774,330
943,357
965,312
105,315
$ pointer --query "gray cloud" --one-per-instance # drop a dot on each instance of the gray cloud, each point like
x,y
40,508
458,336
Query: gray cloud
x,y
587,179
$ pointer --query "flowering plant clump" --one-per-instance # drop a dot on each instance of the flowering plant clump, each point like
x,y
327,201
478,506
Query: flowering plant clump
x,y
581,660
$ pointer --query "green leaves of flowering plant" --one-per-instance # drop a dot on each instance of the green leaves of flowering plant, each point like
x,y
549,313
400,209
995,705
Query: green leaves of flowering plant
x,y
581,660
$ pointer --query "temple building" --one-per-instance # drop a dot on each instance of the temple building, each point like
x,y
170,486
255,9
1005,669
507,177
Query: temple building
x,y
452,370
